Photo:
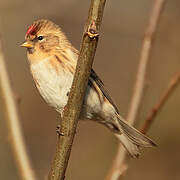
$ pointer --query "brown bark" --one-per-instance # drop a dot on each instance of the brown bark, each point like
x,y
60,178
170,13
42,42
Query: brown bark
x,y
73,107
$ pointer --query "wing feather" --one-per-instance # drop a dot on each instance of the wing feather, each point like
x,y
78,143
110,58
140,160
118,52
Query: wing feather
x,y
100,84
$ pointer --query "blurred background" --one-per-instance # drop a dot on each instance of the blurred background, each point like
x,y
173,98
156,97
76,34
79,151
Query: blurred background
x,y
116,63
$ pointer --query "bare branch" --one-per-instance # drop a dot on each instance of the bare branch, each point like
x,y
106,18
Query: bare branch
x,y
163,99
118,165
73,107
11,115
144,58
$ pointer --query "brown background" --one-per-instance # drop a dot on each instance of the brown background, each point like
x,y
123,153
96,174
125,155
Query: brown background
x,y
116,62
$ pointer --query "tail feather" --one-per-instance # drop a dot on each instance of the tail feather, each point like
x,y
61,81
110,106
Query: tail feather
x,y
132,139
133,149
134,135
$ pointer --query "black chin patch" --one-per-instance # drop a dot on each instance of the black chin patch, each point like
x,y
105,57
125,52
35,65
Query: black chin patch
x,y
30,50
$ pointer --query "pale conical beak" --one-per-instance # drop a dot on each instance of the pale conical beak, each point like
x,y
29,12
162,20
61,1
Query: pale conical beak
x,y
27,45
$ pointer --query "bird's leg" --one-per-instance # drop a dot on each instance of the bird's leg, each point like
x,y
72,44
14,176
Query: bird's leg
x,y
58,128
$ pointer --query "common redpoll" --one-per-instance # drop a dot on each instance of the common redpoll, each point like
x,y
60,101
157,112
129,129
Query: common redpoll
x,y
52,61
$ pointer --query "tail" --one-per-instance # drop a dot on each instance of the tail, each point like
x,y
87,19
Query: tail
x,y
132,139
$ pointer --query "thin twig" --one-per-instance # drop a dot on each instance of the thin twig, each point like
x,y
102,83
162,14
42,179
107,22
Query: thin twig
x,y
73,107
119,166
163,99
11,115
144,58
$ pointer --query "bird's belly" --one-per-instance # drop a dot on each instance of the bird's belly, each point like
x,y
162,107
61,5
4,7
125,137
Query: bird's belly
x,y
53,85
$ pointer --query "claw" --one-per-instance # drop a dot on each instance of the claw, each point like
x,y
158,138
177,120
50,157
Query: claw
x,y
58,130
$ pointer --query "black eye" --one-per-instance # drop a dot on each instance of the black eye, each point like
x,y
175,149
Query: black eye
x,y
40,38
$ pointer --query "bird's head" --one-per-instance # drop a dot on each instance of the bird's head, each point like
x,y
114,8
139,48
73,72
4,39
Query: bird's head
x,y
43,38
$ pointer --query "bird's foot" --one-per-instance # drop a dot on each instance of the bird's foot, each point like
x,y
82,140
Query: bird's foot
x,y
58,130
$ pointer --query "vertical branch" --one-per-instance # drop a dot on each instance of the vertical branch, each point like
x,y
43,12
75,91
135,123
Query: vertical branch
x,y
11,115
73,107
119,165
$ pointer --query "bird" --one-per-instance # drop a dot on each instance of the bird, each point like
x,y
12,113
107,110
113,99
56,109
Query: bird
x,y
52,60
